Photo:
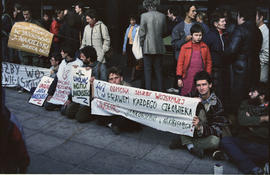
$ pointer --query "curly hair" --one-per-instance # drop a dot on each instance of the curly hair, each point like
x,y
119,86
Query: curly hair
x,y
150,4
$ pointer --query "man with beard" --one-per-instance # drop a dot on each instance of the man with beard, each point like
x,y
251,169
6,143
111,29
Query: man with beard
x,y
250,148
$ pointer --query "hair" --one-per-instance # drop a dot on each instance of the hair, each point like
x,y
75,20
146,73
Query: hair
x,y
216,16
69,50
132,16
203,16
259,12
89,52
174,11
186,8
248,13
80,4
57,56
92,14
114,70
27,8
196,28
262,90
18,6
151,4
202,75
58,11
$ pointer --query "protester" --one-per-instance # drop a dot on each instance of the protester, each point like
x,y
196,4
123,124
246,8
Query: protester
x,y
64,73
208,122
202,19
117,123
55,27
181,32
264,53
128,43
96,34
82,23
55,61
17,14
152,29
46,21
243,53
250,148
174,18
194,57
215,40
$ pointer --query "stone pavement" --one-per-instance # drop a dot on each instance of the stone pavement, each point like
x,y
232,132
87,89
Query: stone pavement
x,y
60,145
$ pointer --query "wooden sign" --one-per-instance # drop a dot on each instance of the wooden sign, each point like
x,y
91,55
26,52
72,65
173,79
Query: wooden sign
x,y
31,38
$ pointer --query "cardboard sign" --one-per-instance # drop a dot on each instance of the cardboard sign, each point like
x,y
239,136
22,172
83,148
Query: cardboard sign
x,y
81,85
31,38
41,92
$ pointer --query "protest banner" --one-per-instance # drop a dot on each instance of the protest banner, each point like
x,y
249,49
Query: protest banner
x,y
159,110
81,85
31,38
21,75
40,94
145,100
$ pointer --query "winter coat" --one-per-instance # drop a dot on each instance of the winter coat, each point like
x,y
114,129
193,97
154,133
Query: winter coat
x,y
98,37
185,56
152,30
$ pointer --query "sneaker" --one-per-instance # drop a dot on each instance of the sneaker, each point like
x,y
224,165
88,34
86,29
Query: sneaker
x,y
176,144
197,152
218,155
115,129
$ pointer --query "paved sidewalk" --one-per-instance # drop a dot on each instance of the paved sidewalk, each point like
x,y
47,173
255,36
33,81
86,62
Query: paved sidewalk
x,y
60,145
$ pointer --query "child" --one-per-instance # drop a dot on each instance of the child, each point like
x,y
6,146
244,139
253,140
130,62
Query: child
x,y
194,56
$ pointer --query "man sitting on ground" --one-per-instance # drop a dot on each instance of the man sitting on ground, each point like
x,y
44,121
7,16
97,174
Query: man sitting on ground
x,y
250,148
208,123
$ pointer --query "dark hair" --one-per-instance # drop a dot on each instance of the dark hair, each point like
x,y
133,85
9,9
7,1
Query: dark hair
x,y
58,11
262,90
89,52
69,50
132,16
259,12
18,6
80,4
92,14
247,12
57,56
27,8
186,8
196,28
174,11
114,70
216,16
202,75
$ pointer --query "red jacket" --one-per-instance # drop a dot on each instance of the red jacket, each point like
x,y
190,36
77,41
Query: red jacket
x,y
185,56
55,26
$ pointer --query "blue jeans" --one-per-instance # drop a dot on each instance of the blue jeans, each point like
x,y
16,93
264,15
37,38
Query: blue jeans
x,y
155,61
245,153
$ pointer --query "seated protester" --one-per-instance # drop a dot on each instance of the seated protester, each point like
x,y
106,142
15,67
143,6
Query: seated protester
x,y
55,61
64,68
208,123
250,148
118,123
80,112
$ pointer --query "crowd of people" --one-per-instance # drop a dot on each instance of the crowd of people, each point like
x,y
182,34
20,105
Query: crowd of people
x,y
222,62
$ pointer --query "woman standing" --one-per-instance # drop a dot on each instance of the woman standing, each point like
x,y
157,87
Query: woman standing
x,y
128,43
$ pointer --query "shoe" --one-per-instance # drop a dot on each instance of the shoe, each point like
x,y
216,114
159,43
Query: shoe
x,y
176,144
197,152
218,155
266,168
115,129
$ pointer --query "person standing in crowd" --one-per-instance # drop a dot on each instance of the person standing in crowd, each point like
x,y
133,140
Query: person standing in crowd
x,y
55,27
216,42
82,23
181,32
152,29
194,57
96,34
17,14
264,53
243,53
46,21
77,111
7,23
174,18
30,58
64,70
250,148
202,19
128,43
209,122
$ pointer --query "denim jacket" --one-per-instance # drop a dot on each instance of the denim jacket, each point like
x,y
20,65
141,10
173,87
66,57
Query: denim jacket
x,y
126,36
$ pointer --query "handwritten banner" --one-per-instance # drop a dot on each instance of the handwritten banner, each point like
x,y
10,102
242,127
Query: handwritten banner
x,y
40,94
159,110
145,100
21,75
81,85
31,38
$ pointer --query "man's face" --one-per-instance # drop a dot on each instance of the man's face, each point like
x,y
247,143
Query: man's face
x,y
90,21
197,37
60,15
84,59
78,9
46,17
132,21
63,54
192,12
203,87
170,15
221,24
115,79
26,15
240,20
53,62
253,94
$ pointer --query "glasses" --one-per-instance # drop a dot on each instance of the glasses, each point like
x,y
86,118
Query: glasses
x,y
113,78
